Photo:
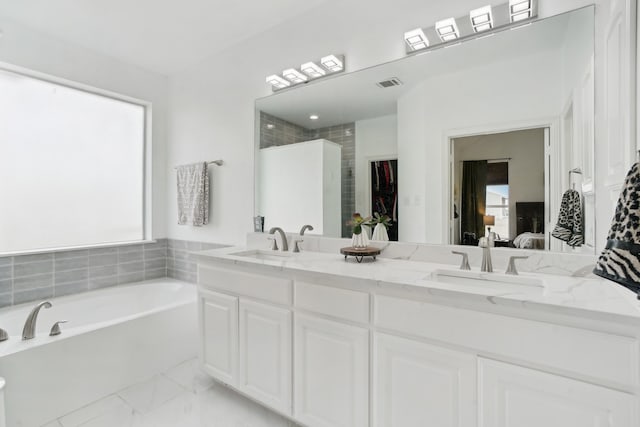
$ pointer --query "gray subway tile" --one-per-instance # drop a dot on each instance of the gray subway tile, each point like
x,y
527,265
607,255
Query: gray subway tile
x,y
100,260
104,251
130,267
6,300
103,271
137,276
155,253
71,276
71,288
72,254
6,272
155,274
185,266
155,264
32,282
5,261
132,253
6,285
21,259
33,295
71,263
160,244
186,276
102,282
32,268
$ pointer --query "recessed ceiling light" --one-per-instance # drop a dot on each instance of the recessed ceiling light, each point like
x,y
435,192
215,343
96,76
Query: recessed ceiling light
x,y
314,117
481,19
294,76
277,82
447,29
332,63
312,70
416,39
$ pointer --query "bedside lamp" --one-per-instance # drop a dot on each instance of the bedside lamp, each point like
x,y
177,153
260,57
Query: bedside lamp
x,y
489,220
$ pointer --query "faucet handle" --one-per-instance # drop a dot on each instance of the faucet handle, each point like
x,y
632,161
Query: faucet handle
x,y
55,329
296,246
465,260
511,268
4,335
274,246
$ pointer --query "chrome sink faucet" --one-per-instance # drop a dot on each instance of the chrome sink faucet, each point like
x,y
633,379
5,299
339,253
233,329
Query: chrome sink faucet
x,y
29,330
296,242
486,256
283,236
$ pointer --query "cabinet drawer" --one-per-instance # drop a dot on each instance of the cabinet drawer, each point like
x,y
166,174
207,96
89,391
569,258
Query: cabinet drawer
x,y
268,288
342,303
597,355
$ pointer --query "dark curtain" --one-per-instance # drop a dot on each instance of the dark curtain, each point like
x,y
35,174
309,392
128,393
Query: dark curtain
x,y
474,196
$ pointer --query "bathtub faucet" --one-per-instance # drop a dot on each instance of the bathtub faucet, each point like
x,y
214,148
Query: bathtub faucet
x,y
29,330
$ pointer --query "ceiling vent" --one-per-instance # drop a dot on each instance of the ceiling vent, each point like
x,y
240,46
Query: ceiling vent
x,y
394,81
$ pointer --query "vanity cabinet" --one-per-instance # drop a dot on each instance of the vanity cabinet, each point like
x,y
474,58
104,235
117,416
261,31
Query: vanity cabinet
x,y
332,351
331,373
265,354
218,316
513,396
419,385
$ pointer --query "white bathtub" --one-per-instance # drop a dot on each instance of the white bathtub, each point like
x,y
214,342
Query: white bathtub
x,y
115,337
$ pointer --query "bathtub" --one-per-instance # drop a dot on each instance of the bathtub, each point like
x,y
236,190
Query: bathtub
x,y
114,338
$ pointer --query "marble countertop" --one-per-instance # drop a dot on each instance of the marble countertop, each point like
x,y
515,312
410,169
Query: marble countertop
x,y
590,297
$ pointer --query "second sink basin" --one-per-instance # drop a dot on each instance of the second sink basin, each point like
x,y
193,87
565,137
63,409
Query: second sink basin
x,y
478,278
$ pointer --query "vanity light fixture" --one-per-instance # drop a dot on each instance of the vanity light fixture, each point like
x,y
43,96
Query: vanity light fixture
x,y
416,39
479,23
447,29
332,63
520,10
277,82
312,70
481,19
314,117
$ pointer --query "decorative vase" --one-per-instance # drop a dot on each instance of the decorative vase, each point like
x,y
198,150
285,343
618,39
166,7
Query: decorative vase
x,y
380,233
360,240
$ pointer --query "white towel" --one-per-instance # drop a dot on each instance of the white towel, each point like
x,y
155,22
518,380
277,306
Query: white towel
x,y
193,194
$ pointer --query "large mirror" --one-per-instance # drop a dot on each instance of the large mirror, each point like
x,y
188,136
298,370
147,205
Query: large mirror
x,y
493,135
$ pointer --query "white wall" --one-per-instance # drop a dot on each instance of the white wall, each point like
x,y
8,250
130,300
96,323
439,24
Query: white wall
x,y
430,114
376,139
212,113
23,47
526,167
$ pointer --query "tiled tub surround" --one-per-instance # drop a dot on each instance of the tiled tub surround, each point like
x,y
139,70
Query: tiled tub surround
x,y
181,264
26,278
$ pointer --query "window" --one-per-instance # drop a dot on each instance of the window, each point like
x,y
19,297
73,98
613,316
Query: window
x,y
497,201
72,166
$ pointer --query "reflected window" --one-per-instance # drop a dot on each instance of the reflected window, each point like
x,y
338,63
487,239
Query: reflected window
x,y
497,198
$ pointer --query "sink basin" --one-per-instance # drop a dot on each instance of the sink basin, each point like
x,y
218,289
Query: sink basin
x,y
495,280
263,255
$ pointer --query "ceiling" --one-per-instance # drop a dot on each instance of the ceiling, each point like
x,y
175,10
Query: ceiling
x,y
160,36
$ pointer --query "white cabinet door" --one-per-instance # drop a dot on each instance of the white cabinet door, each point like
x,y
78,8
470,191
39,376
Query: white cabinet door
x,y
219,335
512,396
421,385
265,354
331,373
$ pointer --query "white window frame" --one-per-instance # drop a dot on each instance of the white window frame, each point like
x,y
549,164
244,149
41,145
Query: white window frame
x,y
147,166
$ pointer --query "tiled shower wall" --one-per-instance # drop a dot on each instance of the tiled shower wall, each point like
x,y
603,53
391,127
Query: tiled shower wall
x,y
275,131
26,278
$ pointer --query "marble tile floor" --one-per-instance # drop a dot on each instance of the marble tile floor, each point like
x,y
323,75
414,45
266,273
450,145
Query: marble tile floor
x,y
184,396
